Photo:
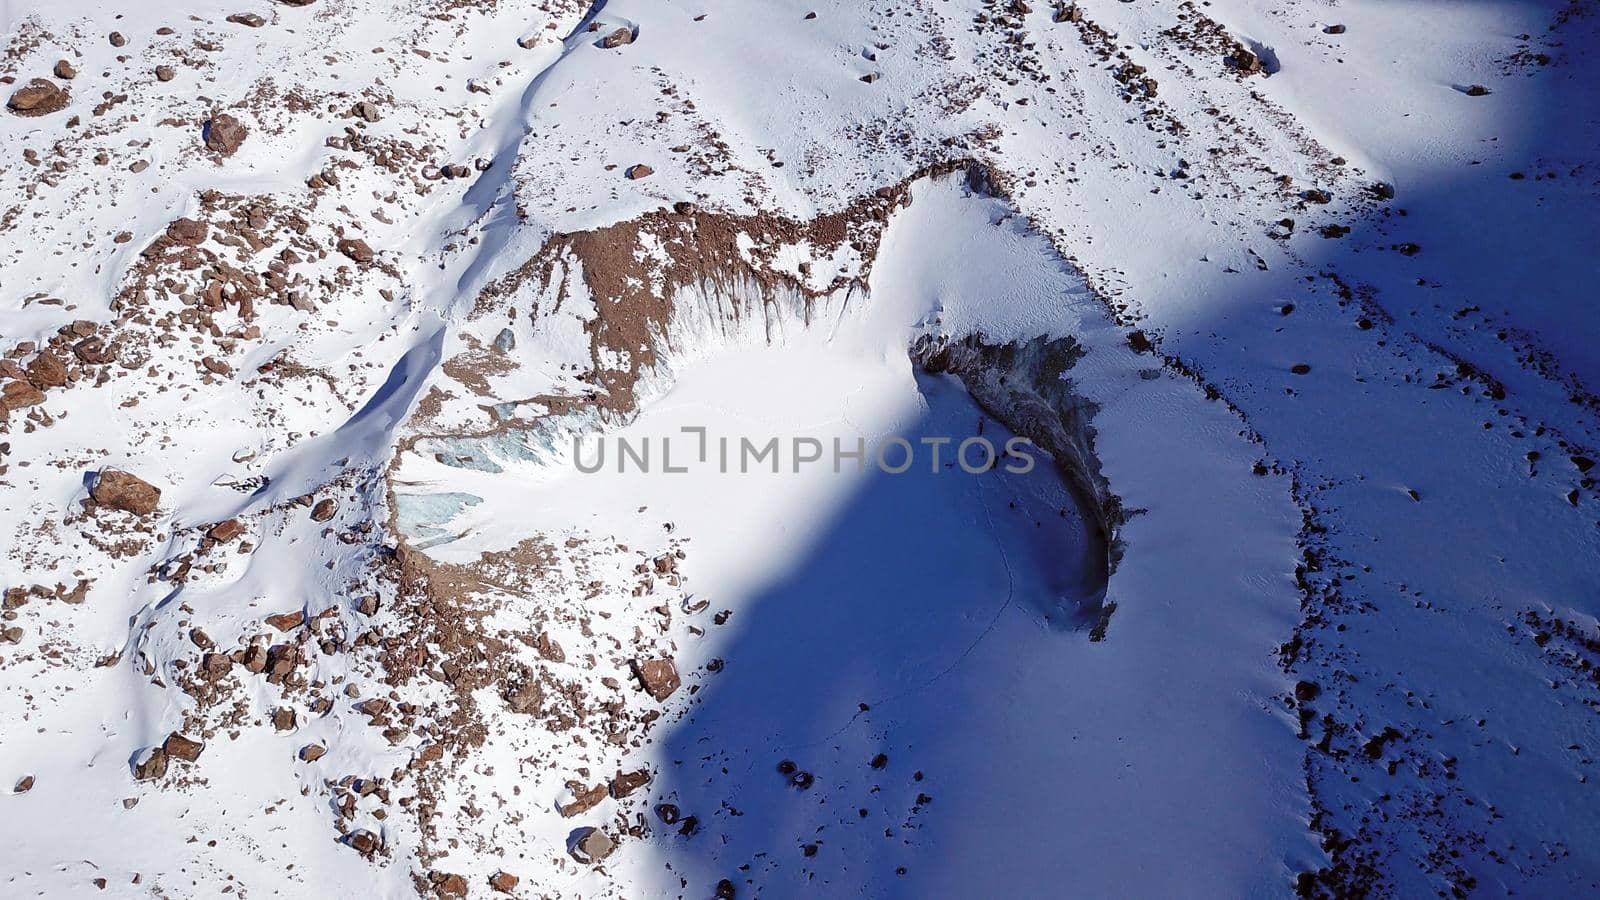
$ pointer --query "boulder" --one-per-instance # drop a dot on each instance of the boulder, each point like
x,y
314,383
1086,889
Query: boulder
x,y
638,171
47,371
583,799
64,70
593,846
524,696
503,881
287,621
1246,62
617,38
20,395
357,250
125,491
362,841
658,676
154,765
38,97
548,649
448,884
179,746
224,134
625,783
187,232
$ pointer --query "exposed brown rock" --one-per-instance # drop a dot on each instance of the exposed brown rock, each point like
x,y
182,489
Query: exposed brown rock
x,y
447,884
187,232
617,38
356,249
593,847
1246,62
504,882
125,491
363,841
287,621
255,659
216,665
583,799
249,20
224,134
38,97
178,746
64,70
638,171
324,510
223,532
659,676
47,371
25,784
625,783
20,395
313,752
548,649
153,766
523,696
165,73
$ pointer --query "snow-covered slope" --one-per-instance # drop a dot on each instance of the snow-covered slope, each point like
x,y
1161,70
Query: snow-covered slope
x,y
1292,300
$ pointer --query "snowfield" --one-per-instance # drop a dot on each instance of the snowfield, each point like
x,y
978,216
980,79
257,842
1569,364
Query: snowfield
x,y
307,307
